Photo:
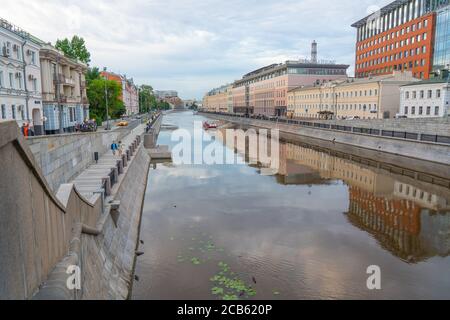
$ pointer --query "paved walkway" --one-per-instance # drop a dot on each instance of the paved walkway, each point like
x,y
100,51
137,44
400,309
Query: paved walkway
x,y
95,179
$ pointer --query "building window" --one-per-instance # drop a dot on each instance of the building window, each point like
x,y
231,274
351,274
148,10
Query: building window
x,y
413,110
420,110
33,57
414,94
407,95
436,111
3,112
422,94
438,93
19,80
430,94
11,80
406,110
13,111
1,79
428,111
22,112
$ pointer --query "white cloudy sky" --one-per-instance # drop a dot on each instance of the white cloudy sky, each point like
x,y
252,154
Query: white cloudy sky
x,y
194,45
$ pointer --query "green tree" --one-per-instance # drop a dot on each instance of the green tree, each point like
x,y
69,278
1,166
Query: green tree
x,y
146,98
96,96
92,74
75,49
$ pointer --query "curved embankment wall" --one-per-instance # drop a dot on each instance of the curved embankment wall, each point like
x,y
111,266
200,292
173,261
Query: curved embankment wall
x,y
42,233
417,150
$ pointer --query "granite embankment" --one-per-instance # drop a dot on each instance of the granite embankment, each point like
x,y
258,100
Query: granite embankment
x,y
48,229
427,141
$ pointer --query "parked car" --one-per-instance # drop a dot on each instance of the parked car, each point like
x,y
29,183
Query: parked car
x,y
401,116
123,124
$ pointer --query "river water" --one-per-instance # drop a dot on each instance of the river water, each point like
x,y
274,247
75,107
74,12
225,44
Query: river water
x,y
309,232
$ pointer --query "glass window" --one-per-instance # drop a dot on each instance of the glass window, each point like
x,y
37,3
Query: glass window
x,y
436,111
11,80
3,111
13,111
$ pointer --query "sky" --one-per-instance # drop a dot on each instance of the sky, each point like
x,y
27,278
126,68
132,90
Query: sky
x,y
193,46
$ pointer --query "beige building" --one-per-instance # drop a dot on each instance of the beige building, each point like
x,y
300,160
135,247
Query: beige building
x,y
63,91
219,100
368,98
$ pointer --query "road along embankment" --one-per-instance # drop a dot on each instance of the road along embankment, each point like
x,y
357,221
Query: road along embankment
x,y
81,232
428,157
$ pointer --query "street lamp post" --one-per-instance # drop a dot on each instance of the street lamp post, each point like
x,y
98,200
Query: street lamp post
x,y
108,127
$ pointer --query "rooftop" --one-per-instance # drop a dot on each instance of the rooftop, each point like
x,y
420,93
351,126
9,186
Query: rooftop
x,y
397,4
396,76
18,31
429,81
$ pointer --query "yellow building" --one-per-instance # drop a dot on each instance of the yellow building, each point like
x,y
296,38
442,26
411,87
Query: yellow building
x,y
368,98
219,100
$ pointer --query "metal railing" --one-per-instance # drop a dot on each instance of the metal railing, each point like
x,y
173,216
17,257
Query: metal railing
x,y
411,136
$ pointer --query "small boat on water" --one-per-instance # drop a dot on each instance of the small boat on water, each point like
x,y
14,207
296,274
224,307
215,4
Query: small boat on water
x,y
208,126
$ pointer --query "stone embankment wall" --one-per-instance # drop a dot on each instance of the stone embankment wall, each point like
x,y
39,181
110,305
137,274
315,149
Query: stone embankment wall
x,y
63,157
432,126
43,232
420,150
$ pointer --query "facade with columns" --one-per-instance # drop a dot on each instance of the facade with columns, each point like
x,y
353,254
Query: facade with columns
x,y
63,91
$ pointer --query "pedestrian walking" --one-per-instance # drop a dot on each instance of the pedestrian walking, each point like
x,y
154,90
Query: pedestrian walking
x,y
114,148
121,147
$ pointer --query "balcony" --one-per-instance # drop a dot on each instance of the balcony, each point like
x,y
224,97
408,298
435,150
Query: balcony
x,y
62,79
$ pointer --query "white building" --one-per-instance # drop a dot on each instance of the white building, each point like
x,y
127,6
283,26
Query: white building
x,y
425,99
20,78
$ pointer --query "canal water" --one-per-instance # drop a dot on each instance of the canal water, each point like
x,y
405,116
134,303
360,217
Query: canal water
x,y
309,232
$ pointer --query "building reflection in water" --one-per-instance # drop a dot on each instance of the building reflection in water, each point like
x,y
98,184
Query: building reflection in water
x,y
409,218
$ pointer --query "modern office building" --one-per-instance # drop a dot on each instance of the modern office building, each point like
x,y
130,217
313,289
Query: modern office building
x,y
264,91
426,99
20,77
63,90
398,37
368,98
441,59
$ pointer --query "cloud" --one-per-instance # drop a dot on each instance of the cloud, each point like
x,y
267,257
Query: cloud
x,y
194,45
